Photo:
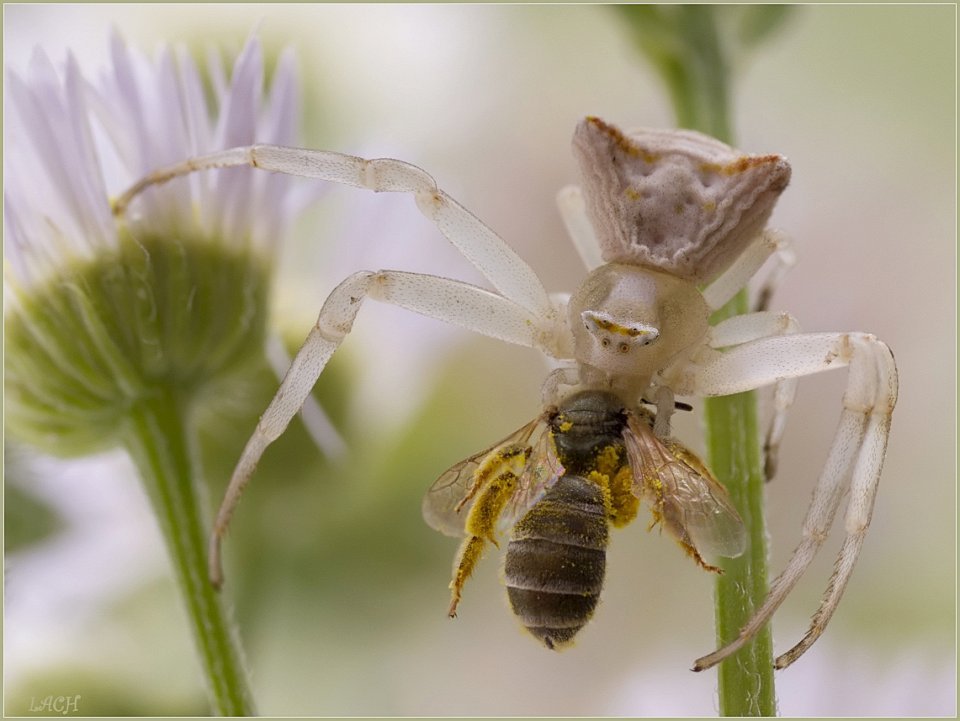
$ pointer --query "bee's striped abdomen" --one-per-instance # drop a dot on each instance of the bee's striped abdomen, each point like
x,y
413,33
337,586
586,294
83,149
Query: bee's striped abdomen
x,y
556,560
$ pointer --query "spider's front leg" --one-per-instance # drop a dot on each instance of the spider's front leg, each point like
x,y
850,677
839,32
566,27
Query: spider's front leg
x,y
448,300
512,277
521,313
854,462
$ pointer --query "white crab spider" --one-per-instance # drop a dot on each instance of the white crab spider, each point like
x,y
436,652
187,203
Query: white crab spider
x,y
671,224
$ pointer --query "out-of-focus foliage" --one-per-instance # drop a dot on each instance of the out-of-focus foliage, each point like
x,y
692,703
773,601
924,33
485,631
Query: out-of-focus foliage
x,y
26,519
695,49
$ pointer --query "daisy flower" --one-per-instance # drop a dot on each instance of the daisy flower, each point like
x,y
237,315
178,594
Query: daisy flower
x,y
118,329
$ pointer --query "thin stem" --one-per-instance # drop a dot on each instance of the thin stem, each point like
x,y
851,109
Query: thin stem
x,y
705,101
158,442
686,45
746,684
745,681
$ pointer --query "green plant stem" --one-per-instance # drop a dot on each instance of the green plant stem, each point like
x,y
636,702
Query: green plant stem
x,y
701,92
158,441
745,681
686,45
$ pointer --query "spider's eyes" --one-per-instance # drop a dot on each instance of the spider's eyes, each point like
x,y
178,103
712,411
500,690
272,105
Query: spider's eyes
x,y
621,335
622,346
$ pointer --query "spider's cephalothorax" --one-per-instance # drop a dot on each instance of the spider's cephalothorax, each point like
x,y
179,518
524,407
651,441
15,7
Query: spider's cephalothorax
x,y
629,322
671,224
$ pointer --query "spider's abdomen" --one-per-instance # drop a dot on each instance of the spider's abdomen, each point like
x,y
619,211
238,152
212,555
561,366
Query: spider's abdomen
x,y
556,561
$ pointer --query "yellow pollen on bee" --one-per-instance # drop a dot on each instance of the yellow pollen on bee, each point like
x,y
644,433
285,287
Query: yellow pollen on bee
x,y
624,503
608,460
601,479
483,516
615,479
657,484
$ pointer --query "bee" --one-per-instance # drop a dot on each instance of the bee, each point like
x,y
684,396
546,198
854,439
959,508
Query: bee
x,y
557,485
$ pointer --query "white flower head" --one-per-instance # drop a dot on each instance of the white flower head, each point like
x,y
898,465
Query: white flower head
x,y
100,309
74,142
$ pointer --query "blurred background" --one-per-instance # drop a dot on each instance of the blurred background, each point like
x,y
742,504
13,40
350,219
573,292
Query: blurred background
x,y
339,588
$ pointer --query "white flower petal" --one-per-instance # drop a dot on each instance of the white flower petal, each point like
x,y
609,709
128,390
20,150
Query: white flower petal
x,y
280,126
168,129
198,130
125,95
281,119
55,174
71,142
88,178
238,125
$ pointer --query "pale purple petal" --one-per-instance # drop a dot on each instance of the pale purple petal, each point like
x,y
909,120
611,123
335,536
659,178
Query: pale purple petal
x,y
168,130
280,126
198,130
71,143
89,178
56,174
238,122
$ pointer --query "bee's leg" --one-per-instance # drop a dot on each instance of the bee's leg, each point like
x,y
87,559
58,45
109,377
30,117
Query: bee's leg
x,y
668,515
695,555
470,552
663,516
481,527
496,463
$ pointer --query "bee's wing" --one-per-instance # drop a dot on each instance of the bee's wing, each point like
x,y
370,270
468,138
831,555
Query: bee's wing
x,y
446,504
688,500
541,472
